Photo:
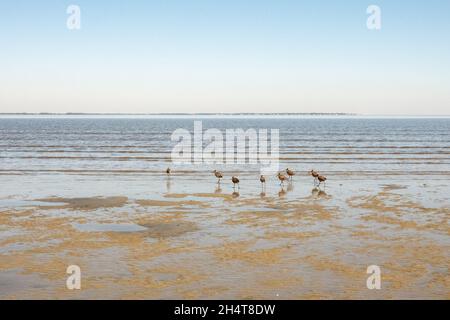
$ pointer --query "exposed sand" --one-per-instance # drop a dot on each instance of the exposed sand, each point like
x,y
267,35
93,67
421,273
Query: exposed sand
x,y
159,203
214,245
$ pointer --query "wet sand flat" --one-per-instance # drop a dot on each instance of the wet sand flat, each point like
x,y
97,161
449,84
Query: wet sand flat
x,y
301,244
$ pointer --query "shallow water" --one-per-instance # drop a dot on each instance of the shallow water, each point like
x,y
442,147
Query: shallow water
x,y
335,145
73,192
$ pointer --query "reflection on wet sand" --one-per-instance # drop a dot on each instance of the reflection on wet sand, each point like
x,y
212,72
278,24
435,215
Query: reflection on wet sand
x,y
218,189
290,187
168,184
282,192
317,192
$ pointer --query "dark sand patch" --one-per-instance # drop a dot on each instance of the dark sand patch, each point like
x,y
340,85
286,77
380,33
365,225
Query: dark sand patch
x,y
85,203
166,229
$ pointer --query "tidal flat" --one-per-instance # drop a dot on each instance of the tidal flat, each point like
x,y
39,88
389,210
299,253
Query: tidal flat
x,y
302,244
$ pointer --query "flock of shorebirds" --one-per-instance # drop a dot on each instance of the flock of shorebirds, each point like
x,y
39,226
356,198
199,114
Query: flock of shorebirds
x,y
318,178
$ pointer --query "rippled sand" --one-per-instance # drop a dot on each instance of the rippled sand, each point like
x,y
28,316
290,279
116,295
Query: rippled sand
x,y
174,240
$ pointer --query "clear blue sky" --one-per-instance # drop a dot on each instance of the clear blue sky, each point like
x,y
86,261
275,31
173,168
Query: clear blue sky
x,y
225,56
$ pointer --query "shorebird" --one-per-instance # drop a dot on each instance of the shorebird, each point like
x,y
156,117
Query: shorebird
x,y
235,181
282,178
262,179
168,171
314,174
218,175
290,173
321,179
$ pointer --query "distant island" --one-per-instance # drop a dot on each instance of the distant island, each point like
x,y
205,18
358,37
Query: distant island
x,y
183,114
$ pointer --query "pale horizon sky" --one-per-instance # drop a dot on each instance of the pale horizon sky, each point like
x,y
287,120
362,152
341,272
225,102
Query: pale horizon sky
x,y
225,56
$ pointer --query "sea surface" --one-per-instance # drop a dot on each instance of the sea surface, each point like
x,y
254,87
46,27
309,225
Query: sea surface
x,y
339,145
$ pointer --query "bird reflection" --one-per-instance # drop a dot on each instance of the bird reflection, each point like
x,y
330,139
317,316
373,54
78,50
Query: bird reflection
x,y
290,186
319,193
262,194
218,189
282,192
168,184
235,194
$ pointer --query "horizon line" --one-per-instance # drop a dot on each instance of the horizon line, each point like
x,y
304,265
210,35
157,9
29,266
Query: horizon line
x,y
215,113
177,113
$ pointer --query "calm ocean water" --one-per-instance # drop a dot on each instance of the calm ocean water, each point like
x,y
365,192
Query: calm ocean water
x,y
412,146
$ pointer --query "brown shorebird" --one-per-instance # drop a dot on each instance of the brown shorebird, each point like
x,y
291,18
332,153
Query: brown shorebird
x,y
262,179
290,173
314,174
321,179
218,175
282,178
168,171
235,181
